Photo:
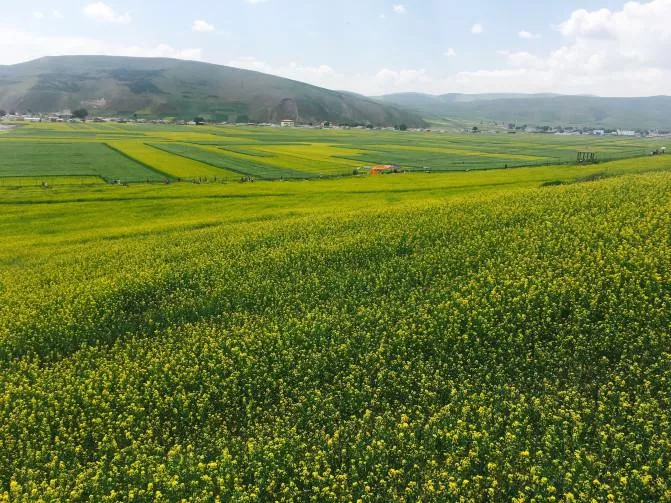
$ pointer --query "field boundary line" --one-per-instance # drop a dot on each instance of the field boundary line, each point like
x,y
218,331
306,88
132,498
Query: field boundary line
x,y
141,163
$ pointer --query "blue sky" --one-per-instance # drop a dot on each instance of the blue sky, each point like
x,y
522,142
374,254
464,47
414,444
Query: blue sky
x,y
374,46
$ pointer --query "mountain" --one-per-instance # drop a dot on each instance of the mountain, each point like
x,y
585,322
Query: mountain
x,y
157,87
542,109
420,100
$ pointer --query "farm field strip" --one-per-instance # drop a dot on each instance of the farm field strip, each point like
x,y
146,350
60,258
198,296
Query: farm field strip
x,y
34,181
440,162
23,159
190,136
457,152
314,158
240,163
244,151
175,166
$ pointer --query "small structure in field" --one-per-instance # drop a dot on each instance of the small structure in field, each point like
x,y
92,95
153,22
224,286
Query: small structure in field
x,y
587,158
384,169
288,123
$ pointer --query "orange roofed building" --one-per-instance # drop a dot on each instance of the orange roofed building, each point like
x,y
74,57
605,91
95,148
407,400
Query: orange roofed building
x,y
383,169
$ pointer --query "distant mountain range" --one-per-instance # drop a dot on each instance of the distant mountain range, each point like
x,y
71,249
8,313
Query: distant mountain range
x,y
160,88
153,87
542,109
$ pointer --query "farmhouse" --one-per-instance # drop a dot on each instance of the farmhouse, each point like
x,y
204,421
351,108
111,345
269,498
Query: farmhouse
x,y
288,123
384,169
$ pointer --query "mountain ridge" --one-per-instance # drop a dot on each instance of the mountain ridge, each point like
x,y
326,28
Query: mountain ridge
x,y
649,112
164,87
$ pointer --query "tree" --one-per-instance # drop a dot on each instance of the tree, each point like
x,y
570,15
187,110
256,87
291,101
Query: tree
x,y
403,127
199,121
475,129
2,113
80,113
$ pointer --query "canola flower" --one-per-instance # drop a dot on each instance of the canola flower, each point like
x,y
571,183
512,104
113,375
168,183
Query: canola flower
x,y
508,348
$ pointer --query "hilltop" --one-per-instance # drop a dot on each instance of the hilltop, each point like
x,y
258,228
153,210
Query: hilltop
x,y
159,87
542,109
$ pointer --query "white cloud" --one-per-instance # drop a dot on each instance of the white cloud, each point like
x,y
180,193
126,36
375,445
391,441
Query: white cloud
x,y
321,75
17,46
623,52
104,13
399,9
250,63
56,14
477,29
202,26
612,53
450,52
523,59
162,51
384,81
527,35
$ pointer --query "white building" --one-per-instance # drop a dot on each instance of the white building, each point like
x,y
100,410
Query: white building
x,y
622,132
288,123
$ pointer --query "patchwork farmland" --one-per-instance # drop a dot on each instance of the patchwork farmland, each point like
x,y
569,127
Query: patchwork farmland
x,y
146,153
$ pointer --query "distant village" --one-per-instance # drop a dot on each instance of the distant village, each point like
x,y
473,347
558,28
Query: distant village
x,y
81,116
573,131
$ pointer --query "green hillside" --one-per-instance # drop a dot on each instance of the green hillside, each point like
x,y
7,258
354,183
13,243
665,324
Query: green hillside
x,y
156,87
543,109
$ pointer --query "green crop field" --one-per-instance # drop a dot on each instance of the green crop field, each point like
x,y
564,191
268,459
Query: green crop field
x,y
491,335
44,160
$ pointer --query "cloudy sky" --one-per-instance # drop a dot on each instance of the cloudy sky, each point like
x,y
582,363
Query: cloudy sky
x,y
603,47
